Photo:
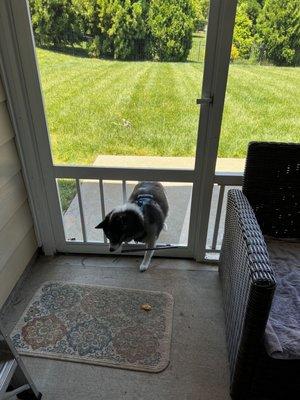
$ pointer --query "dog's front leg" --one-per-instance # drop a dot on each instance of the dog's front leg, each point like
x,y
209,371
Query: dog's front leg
x,y
147,257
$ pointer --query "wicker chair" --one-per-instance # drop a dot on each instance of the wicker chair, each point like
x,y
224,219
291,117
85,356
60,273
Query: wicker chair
x,y
269,204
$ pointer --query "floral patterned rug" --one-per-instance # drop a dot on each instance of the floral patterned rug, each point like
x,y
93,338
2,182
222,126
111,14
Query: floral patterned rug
x,y
97,325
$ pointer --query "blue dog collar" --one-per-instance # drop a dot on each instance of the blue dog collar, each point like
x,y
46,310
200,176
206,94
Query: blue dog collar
x,y
144,199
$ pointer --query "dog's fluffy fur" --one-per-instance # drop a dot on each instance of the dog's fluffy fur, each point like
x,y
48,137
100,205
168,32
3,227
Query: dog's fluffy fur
x,y
141,219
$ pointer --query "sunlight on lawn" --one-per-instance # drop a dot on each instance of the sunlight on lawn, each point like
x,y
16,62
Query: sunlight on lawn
x,y
149,108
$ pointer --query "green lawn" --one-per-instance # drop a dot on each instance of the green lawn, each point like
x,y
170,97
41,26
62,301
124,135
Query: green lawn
x,y
148,108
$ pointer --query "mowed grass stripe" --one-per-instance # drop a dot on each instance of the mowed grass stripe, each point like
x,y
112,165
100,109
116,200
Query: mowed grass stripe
x,y
148,108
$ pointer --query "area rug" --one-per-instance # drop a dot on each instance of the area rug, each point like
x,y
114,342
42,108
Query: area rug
x,y
123,328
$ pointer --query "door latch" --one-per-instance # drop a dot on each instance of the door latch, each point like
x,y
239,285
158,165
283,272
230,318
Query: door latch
x,y
205,100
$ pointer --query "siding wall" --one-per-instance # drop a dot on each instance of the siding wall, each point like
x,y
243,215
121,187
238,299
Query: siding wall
x,y
17,238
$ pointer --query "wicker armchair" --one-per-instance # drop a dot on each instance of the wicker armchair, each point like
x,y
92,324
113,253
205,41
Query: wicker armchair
x,y
269,204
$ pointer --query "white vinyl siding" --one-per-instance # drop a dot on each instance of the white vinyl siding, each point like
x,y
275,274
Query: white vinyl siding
x,y
16,264
17,238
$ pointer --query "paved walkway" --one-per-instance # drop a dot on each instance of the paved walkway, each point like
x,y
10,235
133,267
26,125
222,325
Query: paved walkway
x,y
179,196
223,164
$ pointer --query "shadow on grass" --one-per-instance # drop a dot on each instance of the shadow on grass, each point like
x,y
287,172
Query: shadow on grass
x,y
77,51
81,51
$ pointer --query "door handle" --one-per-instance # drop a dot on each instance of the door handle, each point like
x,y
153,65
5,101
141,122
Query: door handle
x,y
205,100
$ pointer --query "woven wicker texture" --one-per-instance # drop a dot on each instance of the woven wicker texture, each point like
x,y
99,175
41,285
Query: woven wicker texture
x,y
272,186
248,286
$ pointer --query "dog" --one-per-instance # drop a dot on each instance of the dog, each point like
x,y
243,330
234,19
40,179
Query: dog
x,y
140,219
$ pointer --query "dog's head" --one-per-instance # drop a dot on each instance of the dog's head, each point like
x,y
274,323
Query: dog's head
x,y
121,226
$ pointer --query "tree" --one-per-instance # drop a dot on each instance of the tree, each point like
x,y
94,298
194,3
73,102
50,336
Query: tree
x,y
243,37
88,16
55,22
171,25
278,31
252,9
200,8
123,28
120,29
130,31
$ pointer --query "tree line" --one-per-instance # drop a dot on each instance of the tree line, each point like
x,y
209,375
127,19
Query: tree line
x,y
268,30
118,29
163,29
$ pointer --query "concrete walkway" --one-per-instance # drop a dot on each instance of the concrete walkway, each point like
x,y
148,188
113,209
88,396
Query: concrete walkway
x,y
223,164
179,196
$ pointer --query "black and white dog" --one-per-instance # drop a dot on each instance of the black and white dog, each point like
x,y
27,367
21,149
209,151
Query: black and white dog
x,y
141,219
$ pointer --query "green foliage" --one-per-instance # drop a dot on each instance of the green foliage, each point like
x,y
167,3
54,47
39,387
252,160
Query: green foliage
x,y
252,8
88,16
67,191
107,11
140,29
55,22
171,25
162,29
243,37
200,8
234,54
119,29
123,29
278,31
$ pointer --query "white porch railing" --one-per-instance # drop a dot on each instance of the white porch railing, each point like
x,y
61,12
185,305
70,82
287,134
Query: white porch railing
x,y
222,182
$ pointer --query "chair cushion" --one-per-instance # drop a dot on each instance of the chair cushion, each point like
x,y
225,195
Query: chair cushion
x,y
282,335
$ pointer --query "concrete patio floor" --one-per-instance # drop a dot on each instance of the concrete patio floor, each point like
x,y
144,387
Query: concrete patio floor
x,y
198,368
179,197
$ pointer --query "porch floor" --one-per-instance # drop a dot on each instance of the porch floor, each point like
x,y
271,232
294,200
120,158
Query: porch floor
x,y
198,367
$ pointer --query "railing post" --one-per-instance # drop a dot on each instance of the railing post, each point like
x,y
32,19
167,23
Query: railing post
x,y
81,211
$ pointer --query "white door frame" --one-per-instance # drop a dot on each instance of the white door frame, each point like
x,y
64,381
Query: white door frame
x,y
217,59
22,82
26,109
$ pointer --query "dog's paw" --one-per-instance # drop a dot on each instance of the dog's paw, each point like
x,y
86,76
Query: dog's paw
x,y
144,267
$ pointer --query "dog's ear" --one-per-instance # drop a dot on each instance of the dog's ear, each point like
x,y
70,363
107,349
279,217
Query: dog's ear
x,y
101,225
104,223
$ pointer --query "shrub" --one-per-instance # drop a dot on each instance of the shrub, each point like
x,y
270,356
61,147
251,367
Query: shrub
x,y
171,25
278,31
107,10
200,8
252,8
120,29
234,54
123,29
55,22
88,16
243,37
